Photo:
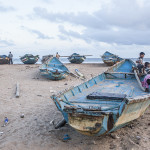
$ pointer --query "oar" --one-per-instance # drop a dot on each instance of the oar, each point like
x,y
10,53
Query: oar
x,y
76,55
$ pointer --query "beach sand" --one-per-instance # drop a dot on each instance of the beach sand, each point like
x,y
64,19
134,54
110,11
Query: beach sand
x,y
36,132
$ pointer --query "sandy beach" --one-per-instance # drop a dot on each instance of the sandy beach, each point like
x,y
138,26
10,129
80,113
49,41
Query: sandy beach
x,y
36,132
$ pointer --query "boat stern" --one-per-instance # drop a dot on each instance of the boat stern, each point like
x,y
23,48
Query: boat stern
x,y
87,125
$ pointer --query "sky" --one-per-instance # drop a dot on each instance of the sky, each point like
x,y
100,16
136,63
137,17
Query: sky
x,y
82,26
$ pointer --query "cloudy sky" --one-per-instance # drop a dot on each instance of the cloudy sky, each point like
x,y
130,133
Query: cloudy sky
x,y
82,26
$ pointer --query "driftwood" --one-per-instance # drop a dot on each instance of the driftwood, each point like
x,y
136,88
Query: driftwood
x,y
129,73
73,75
17,90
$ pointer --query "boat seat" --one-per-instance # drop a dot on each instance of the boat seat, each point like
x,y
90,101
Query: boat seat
x,y
100,95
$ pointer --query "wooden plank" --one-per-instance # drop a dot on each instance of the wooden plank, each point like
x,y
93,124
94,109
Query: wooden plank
x,y
17,90
138,80
130,73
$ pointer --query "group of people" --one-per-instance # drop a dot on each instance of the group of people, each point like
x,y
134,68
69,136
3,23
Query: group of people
x,y
142,67
145,69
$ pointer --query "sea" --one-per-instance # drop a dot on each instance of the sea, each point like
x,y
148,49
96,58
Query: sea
x,y
87,60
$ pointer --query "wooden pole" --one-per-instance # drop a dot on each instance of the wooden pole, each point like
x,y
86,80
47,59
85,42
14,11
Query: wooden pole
x,y
138,80
17,90
77,55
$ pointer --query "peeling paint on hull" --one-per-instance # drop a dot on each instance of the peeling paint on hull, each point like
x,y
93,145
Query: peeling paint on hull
x,y
132,112
109,62
53,69
99,116
110,59
29,59
86,124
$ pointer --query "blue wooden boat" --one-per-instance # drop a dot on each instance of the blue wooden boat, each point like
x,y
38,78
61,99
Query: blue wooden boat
x,y
110,59
53,69
105,103
76,58
46,57
29,59
4,59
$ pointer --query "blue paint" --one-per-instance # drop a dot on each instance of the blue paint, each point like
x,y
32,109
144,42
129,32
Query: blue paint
x,y
110,59
75,102
29,59
53,69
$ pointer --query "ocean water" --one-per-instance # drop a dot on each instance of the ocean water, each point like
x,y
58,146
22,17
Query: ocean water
x,y
88,60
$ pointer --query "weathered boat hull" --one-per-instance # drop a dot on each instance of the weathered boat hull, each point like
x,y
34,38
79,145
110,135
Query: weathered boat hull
x,y
29,59
110,62
95,117
4,59
46,57
76,58
53,76
104,124
110,59
53,69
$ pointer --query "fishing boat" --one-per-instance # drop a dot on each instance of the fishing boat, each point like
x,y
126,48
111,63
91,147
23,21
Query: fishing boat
x,y
76,58
105,103
29,59
53,69
110,59
4,59
46,57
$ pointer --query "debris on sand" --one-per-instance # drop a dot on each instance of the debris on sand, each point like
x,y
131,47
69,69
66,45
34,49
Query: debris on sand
x,y
52,91
52,122
66,138
1,133
5,122
39,95
22,116
114,136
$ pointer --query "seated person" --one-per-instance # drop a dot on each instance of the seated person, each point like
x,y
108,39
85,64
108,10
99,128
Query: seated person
x,y
140,64
146,82
147,67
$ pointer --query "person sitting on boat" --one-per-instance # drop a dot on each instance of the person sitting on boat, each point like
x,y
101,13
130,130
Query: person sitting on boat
x,y
10,56
147,67
146,82
140,64
57,55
